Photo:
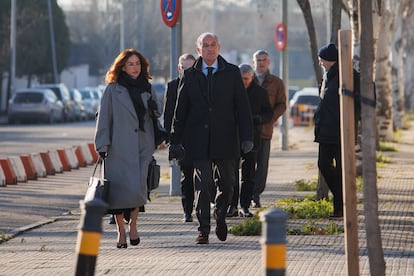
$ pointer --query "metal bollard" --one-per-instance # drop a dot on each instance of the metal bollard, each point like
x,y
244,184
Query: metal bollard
x,y
274,241
89,235
175,178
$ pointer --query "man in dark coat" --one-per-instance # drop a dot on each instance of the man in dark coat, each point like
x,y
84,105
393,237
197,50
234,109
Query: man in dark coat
x,y
185,61
262,113
327,126
213,109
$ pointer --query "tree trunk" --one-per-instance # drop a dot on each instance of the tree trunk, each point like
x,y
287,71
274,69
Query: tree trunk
x,y
398,50
373,233
352,8
336,12
383,78
307,15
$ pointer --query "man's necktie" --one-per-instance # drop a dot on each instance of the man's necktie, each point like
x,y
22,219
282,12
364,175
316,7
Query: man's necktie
x,y
210,82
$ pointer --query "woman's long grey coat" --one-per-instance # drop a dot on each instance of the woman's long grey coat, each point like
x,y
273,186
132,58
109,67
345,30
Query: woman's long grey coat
x,y
129,149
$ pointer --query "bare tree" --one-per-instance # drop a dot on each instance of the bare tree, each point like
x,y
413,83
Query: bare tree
x,y
373,233
307,14
399,46
383,75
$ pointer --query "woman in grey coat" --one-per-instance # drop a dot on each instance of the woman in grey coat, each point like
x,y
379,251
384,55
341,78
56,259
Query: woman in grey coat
x,y
124,136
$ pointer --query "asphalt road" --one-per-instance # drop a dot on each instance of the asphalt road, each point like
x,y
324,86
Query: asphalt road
x,y
42,199
24,139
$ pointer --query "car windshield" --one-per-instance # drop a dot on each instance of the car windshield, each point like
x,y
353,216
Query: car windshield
x,y
28,97
86,94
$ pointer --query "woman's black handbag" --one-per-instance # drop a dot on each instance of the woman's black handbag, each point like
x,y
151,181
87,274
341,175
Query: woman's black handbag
x,y
98,187
153,179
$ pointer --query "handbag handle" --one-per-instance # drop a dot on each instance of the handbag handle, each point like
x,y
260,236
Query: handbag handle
x,y
100,162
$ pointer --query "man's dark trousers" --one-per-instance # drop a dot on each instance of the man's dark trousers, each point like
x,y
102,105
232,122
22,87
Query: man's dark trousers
x,y
263,155
187,189
204,173
248,178
332,173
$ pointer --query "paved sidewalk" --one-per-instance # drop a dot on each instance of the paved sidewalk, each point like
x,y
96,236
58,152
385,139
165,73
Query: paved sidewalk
x,y
167,244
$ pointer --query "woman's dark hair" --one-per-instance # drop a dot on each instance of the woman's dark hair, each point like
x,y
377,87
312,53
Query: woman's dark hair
x,y
113,73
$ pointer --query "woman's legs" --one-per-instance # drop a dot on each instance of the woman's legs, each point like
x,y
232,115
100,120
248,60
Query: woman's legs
x,y
121,240
133,231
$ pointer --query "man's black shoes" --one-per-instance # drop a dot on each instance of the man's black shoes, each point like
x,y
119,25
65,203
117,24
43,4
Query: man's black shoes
x,y
188,218
231,212
221,229
202,239
244,212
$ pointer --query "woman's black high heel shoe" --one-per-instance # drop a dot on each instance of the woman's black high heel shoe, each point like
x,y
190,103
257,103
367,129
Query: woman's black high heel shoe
x,y
135,242
121,245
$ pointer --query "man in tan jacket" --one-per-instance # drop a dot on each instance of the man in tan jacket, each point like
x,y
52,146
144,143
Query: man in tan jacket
x,y
277,98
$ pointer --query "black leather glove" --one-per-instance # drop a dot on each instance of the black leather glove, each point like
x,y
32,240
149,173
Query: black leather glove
x,y
176,152
102,154
246,146
257,119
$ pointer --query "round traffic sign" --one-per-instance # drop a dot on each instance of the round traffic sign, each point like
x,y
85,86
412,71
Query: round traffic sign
x,y
170,11
280,36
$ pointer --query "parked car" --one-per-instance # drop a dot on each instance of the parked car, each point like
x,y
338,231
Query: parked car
x,y
35,105
303,105
62,93
79,107
91,105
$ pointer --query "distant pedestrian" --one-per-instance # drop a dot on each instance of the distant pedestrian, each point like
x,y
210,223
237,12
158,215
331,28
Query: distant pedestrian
x,y
327,126
262,113
213,109
185,61
124,136
277,98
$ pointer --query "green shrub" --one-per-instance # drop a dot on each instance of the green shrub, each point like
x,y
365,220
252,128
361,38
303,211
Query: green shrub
x,y
306,185
248,227
386,147
305,208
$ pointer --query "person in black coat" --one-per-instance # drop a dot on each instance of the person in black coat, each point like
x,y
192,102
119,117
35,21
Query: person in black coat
x,y
262,113
213,109
187,187
327,126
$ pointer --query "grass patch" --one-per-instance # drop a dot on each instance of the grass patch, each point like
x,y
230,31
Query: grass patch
x,y
305,208
386,147
296,208
306,185
382,159
311,228
248,227
359,184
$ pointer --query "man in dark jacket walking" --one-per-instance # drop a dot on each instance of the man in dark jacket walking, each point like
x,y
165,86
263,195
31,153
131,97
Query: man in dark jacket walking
x,y
213,109
262,113
185,61
327,126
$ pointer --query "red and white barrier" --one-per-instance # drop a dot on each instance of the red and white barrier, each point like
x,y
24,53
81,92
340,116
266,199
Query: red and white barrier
x,y
18,168
73,161
80,156
2,178
29,167
56,161
39,164
32,166
87,154
10,175
64,159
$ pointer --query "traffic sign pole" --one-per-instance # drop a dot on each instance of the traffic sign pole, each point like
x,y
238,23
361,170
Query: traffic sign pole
x,y
281,43
171,15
